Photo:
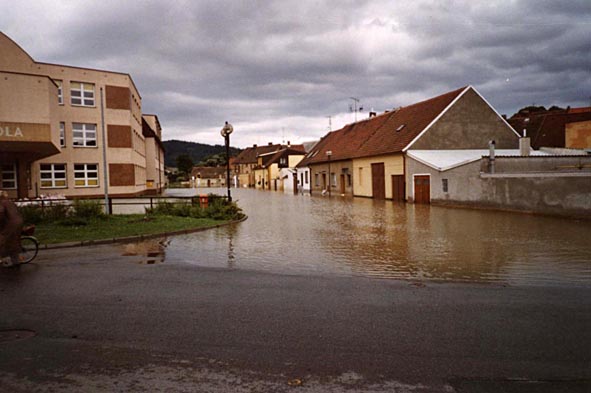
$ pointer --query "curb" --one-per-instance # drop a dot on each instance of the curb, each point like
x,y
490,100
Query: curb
x,y
130,239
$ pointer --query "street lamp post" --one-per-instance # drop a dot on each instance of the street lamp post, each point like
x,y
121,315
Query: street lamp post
x,y
328,154
226,131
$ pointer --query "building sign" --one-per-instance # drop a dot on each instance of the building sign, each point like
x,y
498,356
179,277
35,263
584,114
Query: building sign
x,y
8,132
26,132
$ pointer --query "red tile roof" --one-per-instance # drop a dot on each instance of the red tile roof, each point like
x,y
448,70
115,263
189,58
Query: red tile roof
x,y
208,172
250,154
387,133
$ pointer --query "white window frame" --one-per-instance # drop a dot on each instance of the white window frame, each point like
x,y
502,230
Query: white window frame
x,y
52,171
6,171
80,96
87,131
62,134
60,91
90,176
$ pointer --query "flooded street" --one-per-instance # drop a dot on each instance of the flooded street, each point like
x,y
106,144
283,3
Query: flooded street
x,y
294,234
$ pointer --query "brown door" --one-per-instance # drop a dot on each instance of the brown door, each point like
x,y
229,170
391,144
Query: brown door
x,y
398,192
295,184
378,181
422,189
343,184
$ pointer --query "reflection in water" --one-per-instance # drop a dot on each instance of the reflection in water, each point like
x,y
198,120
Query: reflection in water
x,y
357,236
231,231
147,252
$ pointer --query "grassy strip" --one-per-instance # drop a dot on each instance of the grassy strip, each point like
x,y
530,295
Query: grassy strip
x,y
118,226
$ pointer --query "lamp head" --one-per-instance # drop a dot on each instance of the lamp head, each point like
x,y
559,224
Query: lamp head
x,y
227,129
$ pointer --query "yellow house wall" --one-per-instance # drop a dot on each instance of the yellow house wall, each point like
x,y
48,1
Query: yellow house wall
x,y
294,160
261,177
273,171
362,181
578,135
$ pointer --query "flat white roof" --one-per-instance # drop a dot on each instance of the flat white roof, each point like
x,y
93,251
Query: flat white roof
x,y
443,160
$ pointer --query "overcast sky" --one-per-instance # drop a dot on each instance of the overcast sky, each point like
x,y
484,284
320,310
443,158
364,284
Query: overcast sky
x,y
278,69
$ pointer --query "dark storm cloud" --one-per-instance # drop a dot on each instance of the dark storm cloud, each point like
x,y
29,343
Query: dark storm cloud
x,y
268,66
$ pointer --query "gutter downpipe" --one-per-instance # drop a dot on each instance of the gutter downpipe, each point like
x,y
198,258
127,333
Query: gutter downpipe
x,y
105,170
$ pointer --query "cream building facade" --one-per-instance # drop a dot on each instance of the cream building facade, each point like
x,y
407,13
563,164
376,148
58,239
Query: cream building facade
x,y
53,133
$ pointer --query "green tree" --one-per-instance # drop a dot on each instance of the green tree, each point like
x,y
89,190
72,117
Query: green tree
x,y
184,163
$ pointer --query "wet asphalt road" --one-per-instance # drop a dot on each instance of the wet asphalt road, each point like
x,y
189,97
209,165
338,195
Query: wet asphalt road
x,y
106,323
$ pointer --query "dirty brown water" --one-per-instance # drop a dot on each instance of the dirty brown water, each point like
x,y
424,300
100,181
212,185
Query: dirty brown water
x,y
295,234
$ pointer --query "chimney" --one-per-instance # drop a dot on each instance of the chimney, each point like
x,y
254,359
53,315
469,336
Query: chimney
x,y
524,144
255,145
270,143
372,114
491,155
288,144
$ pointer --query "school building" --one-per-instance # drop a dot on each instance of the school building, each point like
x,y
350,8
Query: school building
x,y
63,128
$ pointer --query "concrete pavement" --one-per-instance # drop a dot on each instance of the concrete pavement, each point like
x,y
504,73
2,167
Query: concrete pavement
x,y
104,322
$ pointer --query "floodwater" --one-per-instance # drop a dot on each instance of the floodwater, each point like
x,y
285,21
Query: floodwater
x,y
296,234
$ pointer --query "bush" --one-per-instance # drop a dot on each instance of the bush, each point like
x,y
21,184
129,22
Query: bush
x,y
218,209
78,213
87,209
31,214
55,212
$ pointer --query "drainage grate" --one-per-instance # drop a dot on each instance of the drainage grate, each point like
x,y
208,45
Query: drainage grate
x,y
15,335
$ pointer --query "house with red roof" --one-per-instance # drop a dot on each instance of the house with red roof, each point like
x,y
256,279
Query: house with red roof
x,y
367,158
564,128
246,162
276,170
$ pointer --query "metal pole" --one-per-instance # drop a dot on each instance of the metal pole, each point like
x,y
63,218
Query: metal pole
x,y
329,175
227,138
105,175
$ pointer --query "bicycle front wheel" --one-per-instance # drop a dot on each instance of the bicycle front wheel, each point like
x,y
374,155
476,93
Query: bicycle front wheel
x,y
29,247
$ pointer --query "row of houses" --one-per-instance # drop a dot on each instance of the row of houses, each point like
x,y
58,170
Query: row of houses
x,y
451,149
74,131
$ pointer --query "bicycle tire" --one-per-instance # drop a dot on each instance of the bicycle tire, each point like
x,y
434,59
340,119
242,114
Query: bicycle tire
x,y
29,247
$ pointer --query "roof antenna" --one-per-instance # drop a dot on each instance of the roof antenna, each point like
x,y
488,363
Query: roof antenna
x,y
355,107
329,123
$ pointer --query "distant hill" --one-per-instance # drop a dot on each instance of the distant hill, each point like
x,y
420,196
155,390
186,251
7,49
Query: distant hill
x,y
197,151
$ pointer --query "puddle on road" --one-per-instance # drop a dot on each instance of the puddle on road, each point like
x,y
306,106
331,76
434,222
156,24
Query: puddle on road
x,y
147,252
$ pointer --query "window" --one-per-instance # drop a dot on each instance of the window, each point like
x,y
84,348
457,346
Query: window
x,y
86,175
82,94
83,134
60,92
62,134
444,184
348,180
53,175
333,179
316,180
306,177
301,178
360,175
8,176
